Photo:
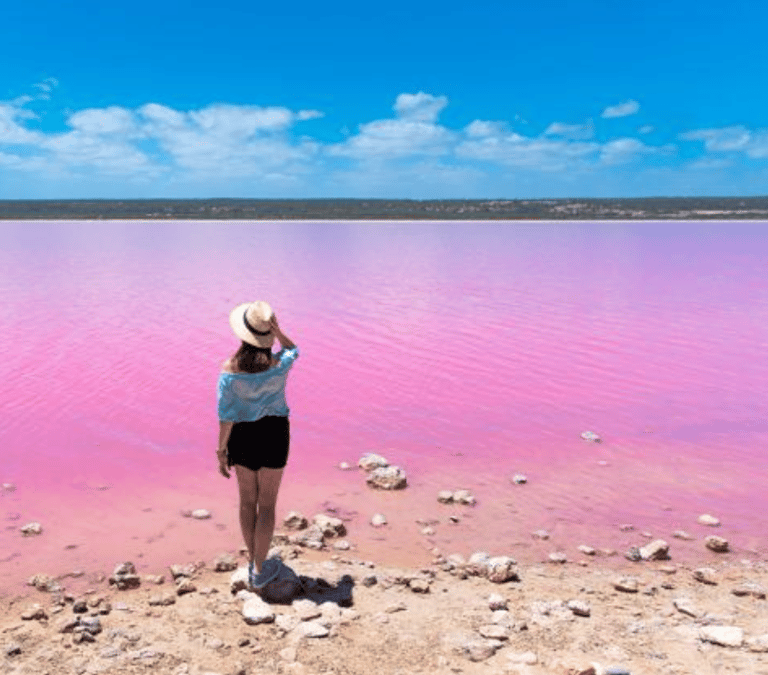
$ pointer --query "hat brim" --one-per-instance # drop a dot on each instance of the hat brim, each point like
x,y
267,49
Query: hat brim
x,y
241,331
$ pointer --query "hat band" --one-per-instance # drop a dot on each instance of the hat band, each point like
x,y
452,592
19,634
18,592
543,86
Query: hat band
x,y
252,329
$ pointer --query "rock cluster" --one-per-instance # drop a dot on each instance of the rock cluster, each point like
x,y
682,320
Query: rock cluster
x,y
125,577
381,474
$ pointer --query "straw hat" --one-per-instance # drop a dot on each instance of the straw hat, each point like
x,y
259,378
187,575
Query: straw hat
x,y
250,322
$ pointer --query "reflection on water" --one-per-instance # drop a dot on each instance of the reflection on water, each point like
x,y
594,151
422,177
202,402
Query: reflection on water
x,y
465,351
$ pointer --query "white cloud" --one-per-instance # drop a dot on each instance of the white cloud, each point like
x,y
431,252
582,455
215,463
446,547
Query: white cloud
x,y
419,107
645,129
574,132
413,133
12,129
481,128
309,115
621,110
732,139
103,121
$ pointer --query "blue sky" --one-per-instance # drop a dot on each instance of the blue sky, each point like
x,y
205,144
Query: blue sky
x,y
400,100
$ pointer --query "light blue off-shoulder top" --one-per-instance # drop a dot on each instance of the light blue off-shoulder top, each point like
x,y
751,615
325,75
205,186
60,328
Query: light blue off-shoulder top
x,y
247,397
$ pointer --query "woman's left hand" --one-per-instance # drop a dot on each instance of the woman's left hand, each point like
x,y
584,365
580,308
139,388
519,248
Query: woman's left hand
x,y
223,468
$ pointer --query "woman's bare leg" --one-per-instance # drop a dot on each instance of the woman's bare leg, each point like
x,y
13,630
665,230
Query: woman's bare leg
x,y
268,485
248,486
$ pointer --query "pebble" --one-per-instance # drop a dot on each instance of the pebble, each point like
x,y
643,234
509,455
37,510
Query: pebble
x,y
428,531
591,436
163,600
184,586
494,632
342,545
419,585
543,535
445,497
14,648
344,466
9,487
686,606
751,590
711,521
579,607
33,613
626,584
587,550
519,479
225,563
201,514
716,544
31,529
558,557
723,636
378,520
682,534
706,575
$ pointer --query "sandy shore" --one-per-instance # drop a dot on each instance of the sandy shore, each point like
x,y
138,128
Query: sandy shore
x,y
598,614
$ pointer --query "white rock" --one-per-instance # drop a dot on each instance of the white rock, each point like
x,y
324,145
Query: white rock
x,y
9,487
496,602
705,575
387,478
312,629
711,521
626,584
31,529
716,544
295,521
502,569
239,580
758,643
656,550
587,550
543,535
494,632
306,610
464,497
330,526
682,534
558,557
445,497
519,479
370,461
344,466
724,636
525,658
378,520
201,514
256,611
591,436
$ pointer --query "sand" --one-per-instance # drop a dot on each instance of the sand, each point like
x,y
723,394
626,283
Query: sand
x,y
392,626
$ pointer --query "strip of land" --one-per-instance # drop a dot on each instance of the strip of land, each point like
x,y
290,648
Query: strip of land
x,y
648,208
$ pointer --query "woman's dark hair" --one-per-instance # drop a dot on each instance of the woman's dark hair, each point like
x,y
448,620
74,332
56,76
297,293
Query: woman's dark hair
x,y
250,359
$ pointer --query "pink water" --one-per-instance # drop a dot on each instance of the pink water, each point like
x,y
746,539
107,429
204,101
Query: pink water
x,y
464,352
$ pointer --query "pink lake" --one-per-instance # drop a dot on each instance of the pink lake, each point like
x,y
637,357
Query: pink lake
x,y
463,352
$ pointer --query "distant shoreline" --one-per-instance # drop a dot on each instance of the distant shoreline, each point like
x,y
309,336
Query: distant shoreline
x,y
631,209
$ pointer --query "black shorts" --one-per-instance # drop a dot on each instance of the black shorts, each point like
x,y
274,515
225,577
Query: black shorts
x,y
262,444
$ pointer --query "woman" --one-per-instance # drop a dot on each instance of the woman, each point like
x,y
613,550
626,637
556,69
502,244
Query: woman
x,y
253,427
